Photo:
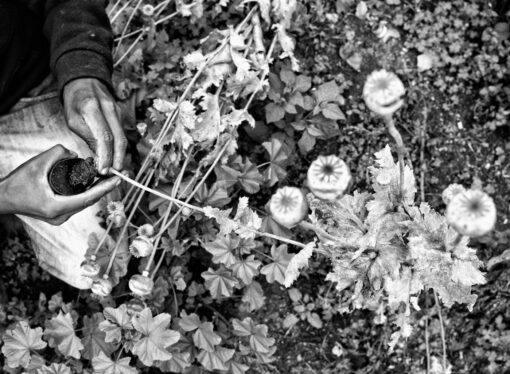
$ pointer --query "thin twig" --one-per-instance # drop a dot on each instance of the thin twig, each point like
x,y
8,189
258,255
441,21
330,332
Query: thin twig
x,y
112,9
128,51
197,187
427,342
119,12
423,168
175,297
441,326
154,192
126,26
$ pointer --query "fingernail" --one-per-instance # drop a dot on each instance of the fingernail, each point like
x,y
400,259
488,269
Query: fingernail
x,y
104,171
119,181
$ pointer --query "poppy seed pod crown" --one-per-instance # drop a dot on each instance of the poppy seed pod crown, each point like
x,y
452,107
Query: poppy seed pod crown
x,y
141,246
148,10
135,306
328,177
141,285
471,213
146,230
102,287
288,206
90,268
383,92
451,191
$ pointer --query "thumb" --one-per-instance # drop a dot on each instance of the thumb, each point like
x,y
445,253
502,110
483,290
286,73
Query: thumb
x,y
92,195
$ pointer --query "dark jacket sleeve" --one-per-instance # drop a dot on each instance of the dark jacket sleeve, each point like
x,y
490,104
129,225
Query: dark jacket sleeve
x,y
81,40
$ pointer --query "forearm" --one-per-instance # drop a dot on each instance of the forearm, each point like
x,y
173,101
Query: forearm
x,y
81,40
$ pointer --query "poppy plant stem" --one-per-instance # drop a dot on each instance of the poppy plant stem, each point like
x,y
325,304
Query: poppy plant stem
x,y
133,12
166,225
401,150
125,227
198,209
154,192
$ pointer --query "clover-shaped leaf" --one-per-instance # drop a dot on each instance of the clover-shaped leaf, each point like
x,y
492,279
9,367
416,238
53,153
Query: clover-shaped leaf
x,y
220,283
61,335
275,271
19,342
103,364
156,337
204,336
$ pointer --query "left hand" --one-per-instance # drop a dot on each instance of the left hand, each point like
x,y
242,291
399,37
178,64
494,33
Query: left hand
x,y
91,112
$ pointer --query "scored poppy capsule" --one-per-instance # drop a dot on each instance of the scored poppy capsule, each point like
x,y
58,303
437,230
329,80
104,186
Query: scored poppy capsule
x,y
141,285
146,230
141,246
116,213
135,306
102,287
451,191
288,206
471,213
148,10
90,268
383,92
328,177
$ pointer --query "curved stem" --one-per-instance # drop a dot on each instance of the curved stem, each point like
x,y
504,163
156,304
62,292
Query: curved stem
x,y
166,225
128,51
135,9
198,209
119,12
441,325
154,192
401,150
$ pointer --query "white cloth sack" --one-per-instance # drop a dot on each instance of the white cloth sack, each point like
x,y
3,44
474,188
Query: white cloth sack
x,y
25,133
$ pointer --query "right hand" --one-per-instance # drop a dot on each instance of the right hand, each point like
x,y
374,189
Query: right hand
x,y
26,190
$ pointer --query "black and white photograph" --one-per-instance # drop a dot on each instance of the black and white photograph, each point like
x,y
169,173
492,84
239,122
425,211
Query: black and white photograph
x,y
254,186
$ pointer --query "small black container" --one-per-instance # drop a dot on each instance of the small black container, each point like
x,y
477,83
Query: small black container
x,y
72,176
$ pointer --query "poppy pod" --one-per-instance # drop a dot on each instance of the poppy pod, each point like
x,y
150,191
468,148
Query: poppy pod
x,y
451,191
117,218
115,206
328,177
383,92
148,10
141,246
146,230
90,268
471,213
288,206
141,285
135,306
102,287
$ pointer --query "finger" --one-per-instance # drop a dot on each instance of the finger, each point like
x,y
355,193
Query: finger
x,y
103,138
89,197
77,124
119,139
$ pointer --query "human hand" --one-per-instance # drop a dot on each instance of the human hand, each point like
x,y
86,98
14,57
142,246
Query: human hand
x,y
91,112
26,190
